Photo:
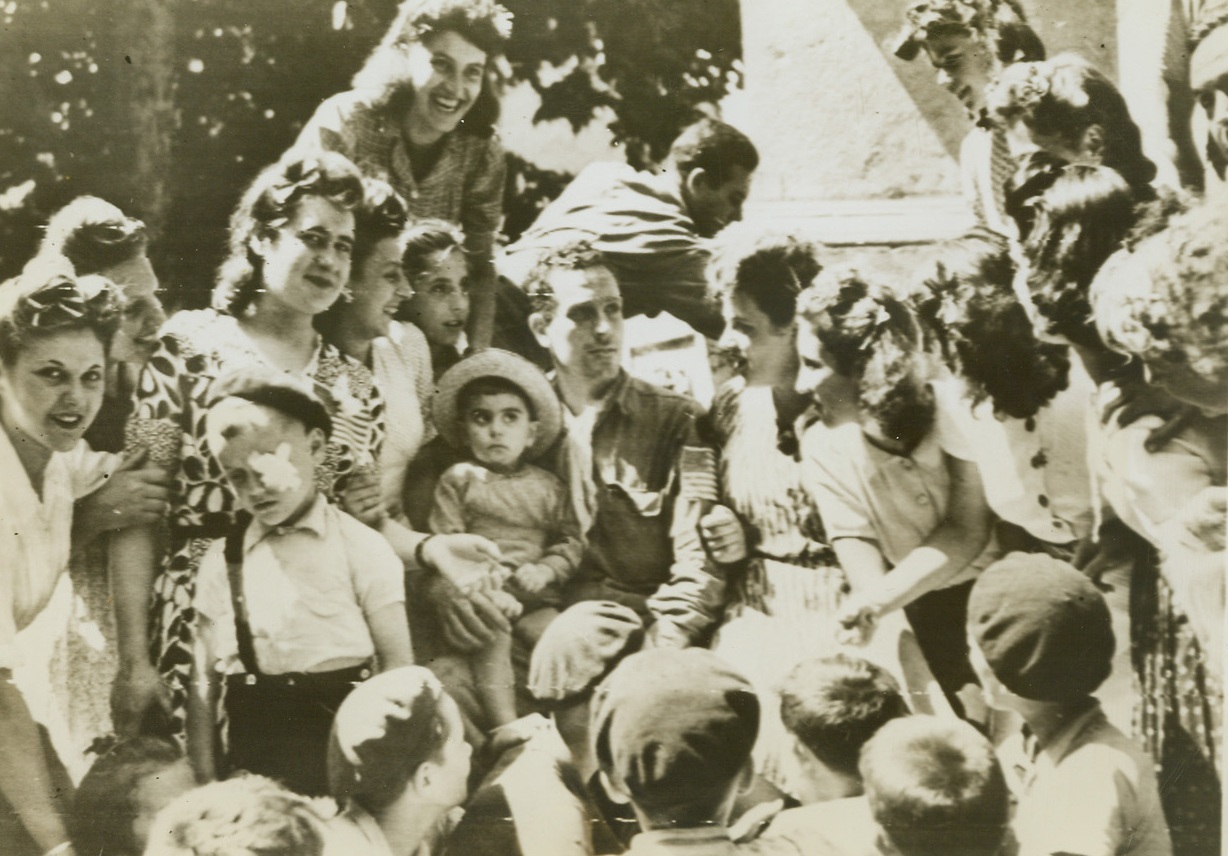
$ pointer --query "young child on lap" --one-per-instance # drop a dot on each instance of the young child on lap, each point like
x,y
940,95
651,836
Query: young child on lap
x,y
502,410
294,604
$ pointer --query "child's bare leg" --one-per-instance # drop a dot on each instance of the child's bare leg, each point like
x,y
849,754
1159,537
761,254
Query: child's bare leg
x,y
496,682
532,625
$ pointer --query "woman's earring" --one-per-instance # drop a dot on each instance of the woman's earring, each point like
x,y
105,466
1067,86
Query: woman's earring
x,y
347,296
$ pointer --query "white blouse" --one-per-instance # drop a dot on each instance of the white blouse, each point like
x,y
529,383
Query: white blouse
x,y
1035,470
401,362
35,533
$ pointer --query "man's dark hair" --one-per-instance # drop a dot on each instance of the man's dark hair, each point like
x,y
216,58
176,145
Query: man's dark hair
x,y
714,147
576,254
834,705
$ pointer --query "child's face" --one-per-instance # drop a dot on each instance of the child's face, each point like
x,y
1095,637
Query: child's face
x,y
270,463
440,302
498,429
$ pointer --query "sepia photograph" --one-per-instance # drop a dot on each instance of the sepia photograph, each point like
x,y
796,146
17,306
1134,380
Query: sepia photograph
x,y
588,427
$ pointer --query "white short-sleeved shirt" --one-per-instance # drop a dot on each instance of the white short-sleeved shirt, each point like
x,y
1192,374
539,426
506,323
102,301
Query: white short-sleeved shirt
x,y
35,533
1090,791
309,590
1035,470
865,492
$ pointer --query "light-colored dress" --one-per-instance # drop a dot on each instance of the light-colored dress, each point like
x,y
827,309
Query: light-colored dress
x,y
1179,714
783,604
36,597
197,348
896,502
401,362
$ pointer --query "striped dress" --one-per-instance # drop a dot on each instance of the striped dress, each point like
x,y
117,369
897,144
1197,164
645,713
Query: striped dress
x,y
783,604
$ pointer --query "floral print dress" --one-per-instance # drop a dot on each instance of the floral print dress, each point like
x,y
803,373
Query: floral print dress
x,y
172,396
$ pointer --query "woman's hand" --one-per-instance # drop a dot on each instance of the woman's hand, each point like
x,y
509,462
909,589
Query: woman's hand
x,y
463,559
137,689
723,536
362,497
469,623
136,494
858,618
1137,399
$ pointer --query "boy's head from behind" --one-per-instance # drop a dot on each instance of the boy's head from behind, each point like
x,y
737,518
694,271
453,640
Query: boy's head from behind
x,y
122,793
268,439
832,706
243,816
935,786
499,421
673,731
1039,631
396,735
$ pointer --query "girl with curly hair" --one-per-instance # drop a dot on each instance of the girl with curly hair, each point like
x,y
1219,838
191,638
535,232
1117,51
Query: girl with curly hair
x,y
785,585
1026,402
1168,306
421,116
91,236
1072,111
890,471
1084,223
95,237
362,325
55,330
291,237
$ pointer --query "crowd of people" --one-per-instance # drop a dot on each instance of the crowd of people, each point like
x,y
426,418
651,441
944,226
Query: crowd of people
x,y
388,553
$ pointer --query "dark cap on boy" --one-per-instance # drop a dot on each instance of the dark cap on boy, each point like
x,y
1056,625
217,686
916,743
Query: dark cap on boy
x,y
1043,627
670,722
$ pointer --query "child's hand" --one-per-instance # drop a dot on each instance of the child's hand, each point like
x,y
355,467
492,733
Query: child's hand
x,y
362,497
533,578
506,604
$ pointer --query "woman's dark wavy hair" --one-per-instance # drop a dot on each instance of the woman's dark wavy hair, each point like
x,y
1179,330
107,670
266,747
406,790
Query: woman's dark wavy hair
x,y
383,214
94,235
1063,97
982,333
874,338
770,268
47,300
267,204
1081,220
484,23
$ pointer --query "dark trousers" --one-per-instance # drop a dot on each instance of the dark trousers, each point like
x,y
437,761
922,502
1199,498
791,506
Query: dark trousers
x,y
279,725
939,619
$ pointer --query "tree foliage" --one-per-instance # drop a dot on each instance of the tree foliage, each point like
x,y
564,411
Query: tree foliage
x,y
169,107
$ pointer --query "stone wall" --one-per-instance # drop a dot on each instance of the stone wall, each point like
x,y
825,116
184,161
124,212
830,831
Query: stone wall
x,y
859,146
